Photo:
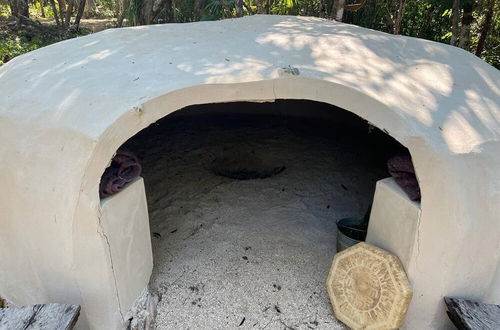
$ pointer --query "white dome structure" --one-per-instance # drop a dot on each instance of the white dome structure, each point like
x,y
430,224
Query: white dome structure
x,y
66,108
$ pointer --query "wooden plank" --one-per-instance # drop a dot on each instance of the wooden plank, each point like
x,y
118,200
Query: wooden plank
x,y
41,316
471,315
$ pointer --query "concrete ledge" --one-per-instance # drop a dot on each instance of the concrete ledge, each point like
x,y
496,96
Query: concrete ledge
x,y
125,223
393,220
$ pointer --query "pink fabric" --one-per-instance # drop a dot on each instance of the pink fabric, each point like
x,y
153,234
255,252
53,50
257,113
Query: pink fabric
x,y
124,169
401,169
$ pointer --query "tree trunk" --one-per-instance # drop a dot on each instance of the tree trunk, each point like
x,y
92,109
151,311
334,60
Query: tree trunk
x,y
199,5
62,11
54,10
174,12
338,10
399,17
19,8
455,17
24,8
146,15
490,7
239,8
322,8
14,9
42,8
163,4
89,8
261,8
467,19
120,12
79,13
119,19
69,12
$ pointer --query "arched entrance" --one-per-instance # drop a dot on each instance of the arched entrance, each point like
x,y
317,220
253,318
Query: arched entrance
x,y
243,198
151,111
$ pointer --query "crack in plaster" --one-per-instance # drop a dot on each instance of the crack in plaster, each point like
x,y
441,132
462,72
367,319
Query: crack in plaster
x,y
418,239
274,89
100,231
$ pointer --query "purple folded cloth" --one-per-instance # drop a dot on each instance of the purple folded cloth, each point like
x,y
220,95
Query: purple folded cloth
x,y
401,169
124,169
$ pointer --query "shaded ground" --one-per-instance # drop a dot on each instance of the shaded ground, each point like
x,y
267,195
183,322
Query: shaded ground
x,y
249,254
93,25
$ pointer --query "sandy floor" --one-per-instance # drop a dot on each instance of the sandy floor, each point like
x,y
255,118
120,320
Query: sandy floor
x,y
255,253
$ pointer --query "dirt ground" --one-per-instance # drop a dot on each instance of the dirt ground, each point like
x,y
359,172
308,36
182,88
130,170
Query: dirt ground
x,y
253,253
92,24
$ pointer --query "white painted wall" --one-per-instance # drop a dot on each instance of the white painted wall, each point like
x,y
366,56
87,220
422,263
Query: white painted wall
x,y
66,108
393,220
125,228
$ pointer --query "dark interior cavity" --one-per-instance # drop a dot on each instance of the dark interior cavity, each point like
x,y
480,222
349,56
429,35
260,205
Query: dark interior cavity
x,y
243,201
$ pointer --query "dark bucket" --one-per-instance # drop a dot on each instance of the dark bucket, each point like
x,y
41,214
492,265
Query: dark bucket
x,y
350,232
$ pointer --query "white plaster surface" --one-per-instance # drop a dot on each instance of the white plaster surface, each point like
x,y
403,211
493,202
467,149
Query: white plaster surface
x,y
65,109
393,220
125,224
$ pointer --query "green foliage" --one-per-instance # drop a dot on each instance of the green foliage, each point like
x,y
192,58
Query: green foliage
x,y
14,45
284,7
4,11
133,11
428,19
431,20
220,9
17,40
105,8
373,16
491,53
36,10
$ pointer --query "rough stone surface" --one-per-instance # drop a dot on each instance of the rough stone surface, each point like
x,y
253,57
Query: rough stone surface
x,y
142,314
40,316
66,108
472,315
368,288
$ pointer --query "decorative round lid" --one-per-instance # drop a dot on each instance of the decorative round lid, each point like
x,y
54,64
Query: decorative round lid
x,y
368,288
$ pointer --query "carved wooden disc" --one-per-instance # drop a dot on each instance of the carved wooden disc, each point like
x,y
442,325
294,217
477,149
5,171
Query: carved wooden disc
x,y
368,288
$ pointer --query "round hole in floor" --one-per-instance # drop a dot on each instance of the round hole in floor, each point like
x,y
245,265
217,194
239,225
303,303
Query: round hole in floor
x,y
245,164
